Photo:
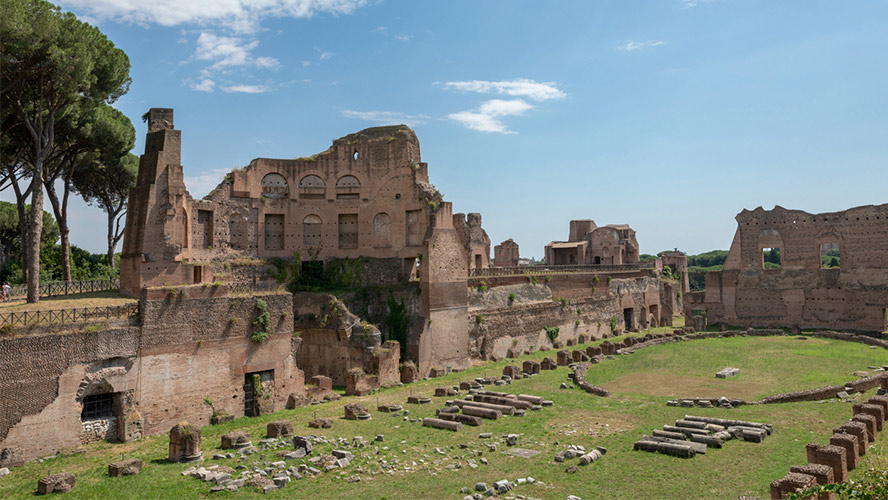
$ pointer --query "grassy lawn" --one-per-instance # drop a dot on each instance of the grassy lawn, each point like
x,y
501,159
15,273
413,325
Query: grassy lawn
x,y
91,299
640,384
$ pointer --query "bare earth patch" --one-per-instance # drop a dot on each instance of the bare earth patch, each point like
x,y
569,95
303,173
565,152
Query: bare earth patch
x,y
587,423
656,384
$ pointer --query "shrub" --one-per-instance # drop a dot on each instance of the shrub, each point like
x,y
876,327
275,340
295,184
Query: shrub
x,y
579,311
479,318
551,332
613,324
512,298
563,302
482,287
577,323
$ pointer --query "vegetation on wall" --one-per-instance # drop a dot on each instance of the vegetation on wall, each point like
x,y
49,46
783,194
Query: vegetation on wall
x,y
262,323
398,323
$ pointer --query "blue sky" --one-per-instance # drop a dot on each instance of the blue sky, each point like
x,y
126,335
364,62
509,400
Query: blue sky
x,y
669,115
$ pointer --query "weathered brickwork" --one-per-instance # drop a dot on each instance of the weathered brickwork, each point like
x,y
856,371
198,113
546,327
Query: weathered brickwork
x,y
801,293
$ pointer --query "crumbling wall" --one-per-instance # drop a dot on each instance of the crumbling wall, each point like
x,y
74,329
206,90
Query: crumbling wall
x,y
801,293
499,322
506,254
191,345
336,342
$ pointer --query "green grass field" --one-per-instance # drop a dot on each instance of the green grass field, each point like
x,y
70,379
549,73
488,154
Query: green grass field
x,y
640,385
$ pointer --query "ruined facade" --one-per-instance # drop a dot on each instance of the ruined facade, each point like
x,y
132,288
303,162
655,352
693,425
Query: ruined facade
x,y
774,275
588,244
506,254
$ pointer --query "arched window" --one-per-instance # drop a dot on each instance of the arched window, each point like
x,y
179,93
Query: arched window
x,y
348,187
311,230
275,186
312,187
381,234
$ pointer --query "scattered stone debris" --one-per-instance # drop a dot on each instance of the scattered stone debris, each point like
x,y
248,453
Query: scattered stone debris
x,y
727,372
61,482
321,423
128,467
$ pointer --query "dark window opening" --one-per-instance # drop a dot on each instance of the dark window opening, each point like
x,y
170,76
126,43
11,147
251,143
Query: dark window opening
x,y
771,258
597,260
830,255
477,261
98,406
198,278
627,318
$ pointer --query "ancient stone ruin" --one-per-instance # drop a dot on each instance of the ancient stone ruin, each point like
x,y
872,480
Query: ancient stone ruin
x,y
774,275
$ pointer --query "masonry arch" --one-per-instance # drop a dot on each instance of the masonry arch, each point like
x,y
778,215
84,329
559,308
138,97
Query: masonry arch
x,y
312,187
275,186
348,187
771,249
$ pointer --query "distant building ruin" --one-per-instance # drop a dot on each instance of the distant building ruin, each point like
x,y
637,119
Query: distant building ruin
x,y
506,254
774,274
588,244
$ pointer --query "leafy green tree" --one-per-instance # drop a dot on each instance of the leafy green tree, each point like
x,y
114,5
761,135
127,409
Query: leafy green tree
x,y
10,236
89,137
48,62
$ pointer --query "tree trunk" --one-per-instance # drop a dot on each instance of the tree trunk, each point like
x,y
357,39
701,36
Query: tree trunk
x,y
22,224
111,241
60,211
34,232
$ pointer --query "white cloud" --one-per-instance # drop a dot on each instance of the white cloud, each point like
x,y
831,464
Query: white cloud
x,y
325,55
632,45
403,38
201,184
205,85
388,117
230,51
246,89
522,87
240,15
485,119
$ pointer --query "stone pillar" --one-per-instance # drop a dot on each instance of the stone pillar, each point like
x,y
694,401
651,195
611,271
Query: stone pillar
x,y
849,443
832,456
185,443
857,429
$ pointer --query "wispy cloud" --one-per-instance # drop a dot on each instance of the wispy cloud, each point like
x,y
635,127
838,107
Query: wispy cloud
x,y
243,16
230,52
204,85
387,117
246,89
632,46
486,117
403,38
522,87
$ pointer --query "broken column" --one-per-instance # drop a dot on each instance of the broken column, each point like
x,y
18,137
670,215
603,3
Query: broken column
x,y
185,443
531,367
280,428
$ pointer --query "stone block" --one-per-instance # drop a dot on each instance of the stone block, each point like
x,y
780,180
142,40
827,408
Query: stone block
x,y
593,350
792,482
875,410
849,443
184,443
512,371
857,429
128,467
870,422
564,358
61,482
321,423
280,428
531,367
830,455
548,364
356,411
409,373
